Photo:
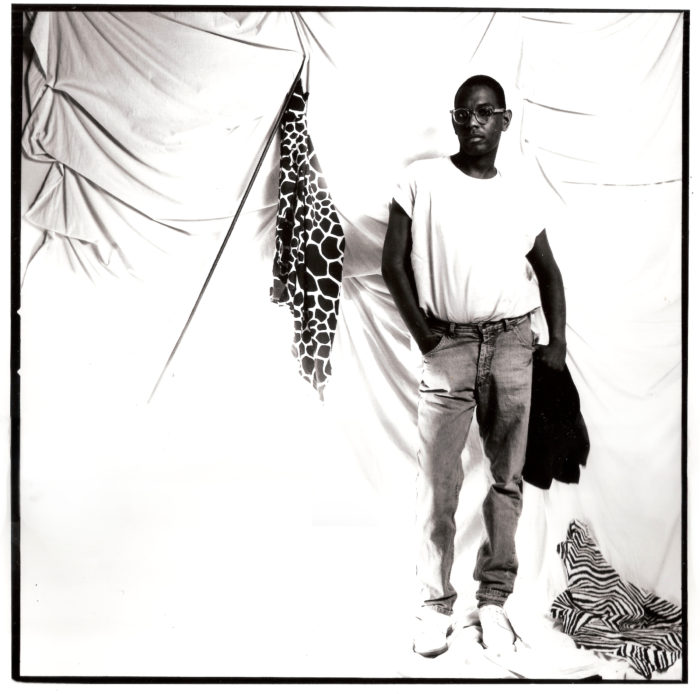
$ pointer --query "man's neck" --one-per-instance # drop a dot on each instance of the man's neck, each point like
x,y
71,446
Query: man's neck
x,y
476,167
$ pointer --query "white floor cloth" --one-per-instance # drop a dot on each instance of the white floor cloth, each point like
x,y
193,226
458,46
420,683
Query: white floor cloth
x,y
235,510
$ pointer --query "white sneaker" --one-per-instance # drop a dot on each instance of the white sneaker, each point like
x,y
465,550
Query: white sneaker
x,y
431,631
496,631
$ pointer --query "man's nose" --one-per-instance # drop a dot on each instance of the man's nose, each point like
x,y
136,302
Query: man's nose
x,y
471,118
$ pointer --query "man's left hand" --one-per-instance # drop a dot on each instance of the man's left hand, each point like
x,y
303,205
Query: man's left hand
x,y
553,354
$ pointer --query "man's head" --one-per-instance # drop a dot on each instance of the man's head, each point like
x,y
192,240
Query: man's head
x,y
480,115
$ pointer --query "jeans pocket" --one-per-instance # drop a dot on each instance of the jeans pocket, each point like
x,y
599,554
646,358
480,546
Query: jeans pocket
x,y
524,334
438,346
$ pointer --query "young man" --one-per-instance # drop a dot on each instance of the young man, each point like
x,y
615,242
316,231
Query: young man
x,y
454,260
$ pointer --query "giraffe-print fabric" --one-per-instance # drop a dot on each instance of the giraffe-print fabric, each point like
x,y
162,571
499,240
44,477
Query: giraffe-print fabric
x,y
309,247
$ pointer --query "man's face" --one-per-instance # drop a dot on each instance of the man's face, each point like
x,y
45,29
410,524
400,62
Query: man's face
x,y
474,138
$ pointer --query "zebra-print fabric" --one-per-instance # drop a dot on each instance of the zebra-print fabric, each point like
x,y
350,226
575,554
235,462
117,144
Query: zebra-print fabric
x,y
602,612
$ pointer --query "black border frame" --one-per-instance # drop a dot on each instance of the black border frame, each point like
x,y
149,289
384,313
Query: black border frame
x,y
17,11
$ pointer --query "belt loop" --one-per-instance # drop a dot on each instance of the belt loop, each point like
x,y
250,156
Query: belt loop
x,y
506,325
451,329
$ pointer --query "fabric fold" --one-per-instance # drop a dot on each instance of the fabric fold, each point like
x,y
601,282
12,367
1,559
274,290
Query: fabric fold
x,y
601,611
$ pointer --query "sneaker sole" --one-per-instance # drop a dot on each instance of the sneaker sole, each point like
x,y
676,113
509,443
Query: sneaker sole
x,y
438,651
431,654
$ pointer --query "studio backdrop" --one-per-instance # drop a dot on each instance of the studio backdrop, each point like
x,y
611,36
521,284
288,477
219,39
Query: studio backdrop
x,y
236,523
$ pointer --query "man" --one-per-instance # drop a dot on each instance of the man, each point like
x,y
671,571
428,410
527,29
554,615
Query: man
x,y
454,261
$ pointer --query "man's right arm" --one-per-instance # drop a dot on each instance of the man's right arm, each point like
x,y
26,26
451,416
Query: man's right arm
x,y
398,275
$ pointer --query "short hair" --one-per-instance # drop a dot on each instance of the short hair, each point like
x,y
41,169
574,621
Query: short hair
x,y
483,81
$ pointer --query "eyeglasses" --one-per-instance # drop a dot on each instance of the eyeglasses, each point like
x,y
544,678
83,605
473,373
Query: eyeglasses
x,y
483,114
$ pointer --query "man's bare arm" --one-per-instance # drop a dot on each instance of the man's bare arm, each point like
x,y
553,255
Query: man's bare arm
x,y
398,275
553,301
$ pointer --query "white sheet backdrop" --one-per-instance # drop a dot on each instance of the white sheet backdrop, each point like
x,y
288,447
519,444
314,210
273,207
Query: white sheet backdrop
x,y
235,508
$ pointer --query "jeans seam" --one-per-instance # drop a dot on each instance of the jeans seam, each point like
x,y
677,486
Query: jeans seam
x,y
493,591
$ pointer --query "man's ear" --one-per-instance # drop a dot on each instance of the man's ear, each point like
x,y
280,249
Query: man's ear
x,y
507,115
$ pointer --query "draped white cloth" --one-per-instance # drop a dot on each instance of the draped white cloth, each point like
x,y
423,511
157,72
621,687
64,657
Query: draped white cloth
x,y
142,132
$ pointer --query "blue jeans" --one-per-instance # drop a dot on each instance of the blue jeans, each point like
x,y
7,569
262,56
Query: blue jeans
x,y
487,366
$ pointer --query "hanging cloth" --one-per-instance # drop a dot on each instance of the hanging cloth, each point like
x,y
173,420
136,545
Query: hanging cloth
x,y
309,247
602,612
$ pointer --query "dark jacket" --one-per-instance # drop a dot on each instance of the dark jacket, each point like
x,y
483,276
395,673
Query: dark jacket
x,y
558,442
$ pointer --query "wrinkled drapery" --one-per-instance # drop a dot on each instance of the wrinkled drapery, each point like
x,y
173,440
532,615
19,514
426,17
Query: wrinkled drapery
x,y
143,130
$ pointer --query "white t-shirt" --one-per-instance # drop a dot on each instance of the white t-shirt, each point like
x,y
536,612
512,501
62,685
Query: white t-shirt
x,y
470,238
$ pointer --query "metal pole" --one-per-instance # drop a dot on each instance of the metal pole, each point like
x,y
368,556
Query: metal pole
x,y
230,229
